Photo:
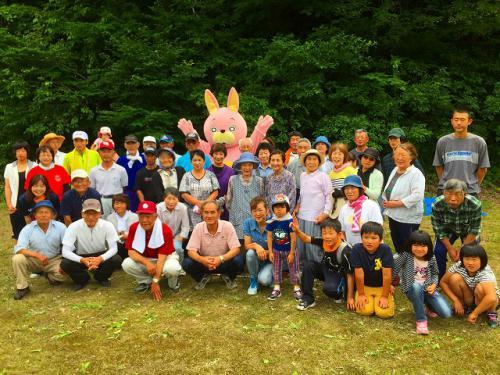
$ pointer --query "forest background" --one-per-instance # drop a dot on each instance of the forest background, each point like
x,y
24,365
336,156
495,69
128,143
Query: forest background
x,y
323,67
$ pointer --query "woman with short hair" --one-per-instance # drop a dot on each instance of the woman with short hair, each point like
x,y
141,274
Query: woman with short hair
x,y
403,196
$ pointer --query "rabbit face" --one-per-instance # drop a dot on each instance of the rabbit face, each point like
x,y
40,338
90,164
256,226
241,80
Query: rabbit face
x,y
225,126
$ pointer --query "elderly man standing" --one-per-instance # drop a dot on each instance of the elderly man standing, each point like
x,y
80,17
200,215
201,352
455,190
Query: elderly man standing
x,y
89,245
133,162
151,252
213,248
38,249
72,200
108,178
455,214
361,140
81,157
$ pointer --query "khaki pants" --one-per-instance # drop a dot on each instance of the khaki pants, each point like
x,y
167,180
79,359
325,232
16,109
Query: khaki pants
x,y
171,270
372,307
24,265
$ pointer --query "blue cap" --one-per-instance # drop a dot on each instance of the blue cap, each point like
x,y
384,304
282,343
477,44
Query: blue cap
x,y
322,139
353,180
167,138
245,157
44,203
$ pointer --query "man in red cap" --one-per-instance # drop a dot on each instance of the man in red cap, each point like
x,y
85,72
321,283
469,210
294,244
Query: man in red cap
x,y
108,178
151,252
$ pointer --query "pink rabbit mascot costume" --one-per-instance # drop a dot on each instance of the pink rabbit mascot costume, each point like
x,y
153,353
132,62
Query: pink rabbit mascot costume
x,y
226,125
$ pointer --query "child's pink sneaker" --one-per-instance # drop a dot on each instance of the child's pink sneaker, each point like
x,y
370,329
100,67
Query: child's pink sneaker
x,y
422,327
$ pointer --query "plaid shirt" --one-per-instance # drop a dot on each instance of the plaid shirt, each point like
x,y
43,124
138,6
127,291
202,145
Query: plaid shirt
x,y
461,222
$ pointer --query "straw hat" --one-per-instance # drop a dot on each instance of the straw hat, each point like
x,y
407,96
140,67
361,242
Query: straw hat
x,y
50,136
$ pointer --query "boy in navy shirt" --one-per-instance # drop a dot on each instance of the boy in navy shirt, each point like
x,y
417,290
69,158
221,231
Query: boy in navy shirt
x,y
372,262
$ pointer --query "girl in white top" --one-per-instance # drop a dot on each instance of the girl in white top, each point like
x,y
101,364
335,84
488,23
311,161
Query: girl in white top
x,y
122,218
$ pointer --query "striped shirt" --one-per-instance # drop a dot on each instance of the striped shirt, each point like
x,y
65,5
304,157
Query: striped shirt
x,y
485,275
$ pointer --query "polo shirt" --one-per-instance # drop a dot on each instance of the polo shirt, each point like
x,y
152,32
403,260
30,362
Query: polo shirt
x,y
166,249
372,264
79,240
109,182
33,238
252,230
86,160
207,244
71,204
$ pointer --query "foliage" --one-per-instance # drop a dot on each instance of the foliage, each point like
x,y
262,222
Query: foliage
x,y
321,67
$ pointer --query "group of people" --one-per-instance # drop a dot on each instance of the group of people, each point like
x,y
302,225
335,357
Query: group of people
x,y
314,212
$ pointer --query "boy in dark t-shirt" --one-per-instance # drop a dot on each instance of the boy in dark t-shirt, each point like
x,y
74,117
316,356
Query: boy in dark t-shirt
x,y
334,269
372,262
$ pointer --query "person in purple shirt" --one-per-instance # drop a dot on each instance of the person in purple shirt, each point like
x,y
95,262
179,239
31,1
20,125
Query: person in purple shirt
x,y
222,172
132,161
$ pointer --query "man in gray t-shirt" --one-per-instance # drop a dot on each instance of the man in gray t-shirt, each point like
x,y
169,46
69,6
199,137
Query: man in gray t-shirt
x,y
461,155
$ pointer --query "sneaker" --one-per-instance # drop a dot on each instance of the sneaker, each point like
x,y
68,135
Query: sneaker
x,y
182,272
254,285
492,319
304,305
176,288
20,293
422,327
275,294
231,284
297,294
430,313
77,287
35,275
104,283
203,282
338,300
141,288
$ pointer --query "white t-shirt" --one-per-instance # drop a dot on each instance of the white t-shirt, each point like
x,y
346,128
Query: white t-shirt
x,y
370,211
421,269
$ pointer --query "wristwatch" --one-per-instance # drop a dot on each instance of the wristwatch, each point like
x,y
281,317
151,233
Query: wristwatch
x,y
155,280
222,260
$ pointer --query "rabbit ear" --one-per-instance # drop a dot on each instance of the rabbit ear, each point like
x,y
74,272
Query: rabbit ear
x,y
211,102
233,100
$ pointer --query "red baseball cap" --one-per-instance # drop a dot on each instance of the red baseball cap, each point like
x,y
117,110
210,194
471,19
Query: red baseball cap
x,y
108,145
146,207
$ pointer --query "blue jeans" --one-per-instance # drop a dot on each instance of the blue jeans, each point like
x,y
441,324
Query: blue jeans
x,y
262,270
419,298
441,253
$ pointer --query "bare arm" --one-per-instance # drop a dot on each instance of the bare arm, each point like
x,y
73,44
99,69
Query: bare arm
x,y
439,171
67,220
8,196
140,195
481,172
386,281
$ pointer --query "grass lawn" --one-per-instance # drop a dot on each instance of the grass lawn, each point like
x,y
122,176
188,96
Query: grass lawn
x,y
105,331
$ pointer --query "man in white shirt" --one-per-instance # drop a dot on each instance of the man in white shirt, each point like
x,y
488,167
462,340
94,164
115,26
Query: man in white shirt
x,y
108,178
89,245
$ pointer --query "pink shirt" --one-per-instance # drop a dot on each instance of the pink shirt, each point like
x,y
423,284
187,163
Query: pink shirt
x,y
218,244
315,190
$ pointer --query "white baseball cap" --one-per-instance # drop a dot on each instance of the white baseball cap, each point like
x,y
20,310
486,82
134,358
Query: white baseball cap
x,y
149,138
80,135
79,173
